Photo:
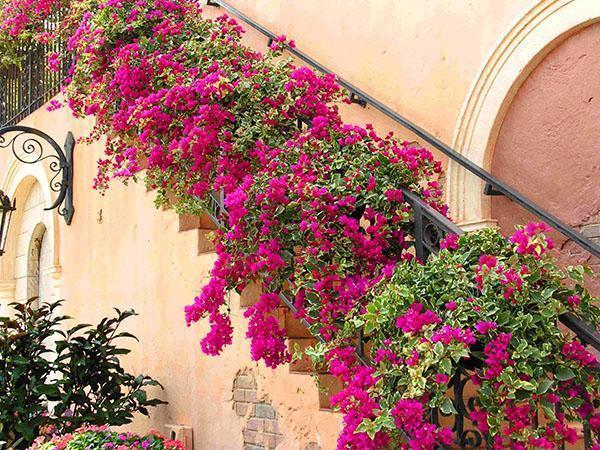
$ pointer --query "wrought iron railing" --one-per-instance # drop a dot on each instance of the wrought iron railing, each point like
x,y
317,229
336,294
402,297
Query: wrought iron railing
x,y
27,85
429,228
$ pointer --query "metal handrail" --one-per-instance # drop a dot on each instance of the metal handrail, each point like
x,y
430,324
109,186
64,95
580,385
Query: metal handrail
x,y
361,97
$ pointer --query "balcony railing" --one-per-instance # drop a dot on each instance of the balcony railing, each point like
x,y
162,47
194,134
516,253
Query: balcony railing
x,y
26,86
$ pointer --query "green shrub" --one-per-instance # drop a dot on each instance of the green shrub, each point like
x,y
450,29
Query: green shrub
x,y
49,376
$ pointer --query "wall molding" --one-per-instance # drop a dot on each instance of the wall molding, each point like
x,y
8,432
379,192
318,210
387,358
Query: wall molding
x,y
530,38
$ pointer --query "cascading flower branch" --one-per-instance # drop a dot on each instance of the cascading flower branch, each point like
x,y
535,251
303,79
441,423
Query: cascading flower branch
x,y
486,309
316,211
24,23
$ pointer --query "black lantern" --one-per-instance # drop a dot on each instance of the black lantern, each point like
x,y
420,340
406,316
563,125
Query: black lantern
x,y
6,208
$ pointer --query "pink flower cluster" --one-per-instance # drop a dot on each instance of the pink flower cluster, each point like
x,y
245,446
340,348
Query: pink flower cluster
x,y
411,416
415,319
531,240
497,356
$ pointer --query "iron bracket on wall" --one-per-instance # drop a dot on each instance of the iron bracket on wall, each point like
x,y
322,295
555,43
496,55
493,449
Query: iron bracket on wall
x,y
27,145
490,190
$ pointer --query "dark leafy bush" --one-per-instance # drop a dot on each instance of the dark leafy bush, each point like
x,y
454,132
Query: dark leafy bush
x,y
49,376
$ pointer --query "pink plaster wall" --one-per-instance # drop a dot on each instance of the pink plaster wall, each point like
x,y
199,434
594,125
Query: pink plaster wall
x,y
549,143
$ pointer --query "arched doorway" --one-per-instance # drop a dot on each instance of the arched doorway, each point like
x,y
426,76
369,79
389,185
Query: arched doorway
x,y
543,28
548,144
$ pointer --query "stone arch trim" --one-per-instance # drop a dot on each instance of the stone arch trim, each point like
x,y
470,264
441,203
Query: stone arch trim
x,y
521,49
34,260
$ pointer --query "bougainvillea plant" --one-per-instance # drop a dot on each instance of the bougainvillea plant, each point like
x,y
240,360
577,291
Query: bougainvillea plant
x,y
315,206
485,309
24,23
207,114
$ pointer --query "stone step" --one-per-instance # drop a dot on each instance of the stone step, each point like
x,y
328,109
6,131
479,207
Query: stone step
x,y
304,364
294,328
205,243
191,222
328,386
250,294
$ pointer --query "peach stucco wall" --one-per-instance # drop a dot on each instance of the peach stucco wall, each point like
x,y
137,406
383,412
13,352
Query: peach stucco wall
x,y
549,143
419,57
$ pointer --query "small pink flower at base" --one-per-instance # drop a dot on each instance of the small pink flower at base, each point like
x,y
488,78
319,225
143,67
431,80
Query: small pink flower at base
x,y
220,335
450,306
479,418
409,416
441,378
497,355
266,337
413,321
413,359
54,105
574,300
394,195
53,62
531,239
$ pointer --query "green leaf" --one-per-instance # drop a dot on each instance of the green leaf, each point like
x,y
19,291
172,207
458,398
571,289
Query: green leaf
x,y
564,374
544,386
447,407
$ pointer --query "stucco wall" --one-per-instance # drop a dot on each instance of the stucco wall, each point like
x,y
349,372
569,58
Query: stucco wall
x,y
418,57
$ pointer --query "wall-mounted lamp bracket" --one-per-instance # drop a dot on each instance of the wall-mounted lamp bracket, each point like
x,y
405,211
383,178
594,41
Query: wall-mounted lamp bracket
x,y
28,146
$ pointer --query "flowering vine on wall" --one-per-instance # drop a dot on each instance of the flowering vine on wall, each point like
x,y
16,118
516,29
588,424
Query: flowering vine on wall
x,y
317,212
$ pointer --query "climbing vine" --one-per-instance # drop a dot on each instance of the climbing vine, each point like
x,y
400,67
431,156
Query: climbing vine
x,y
315,210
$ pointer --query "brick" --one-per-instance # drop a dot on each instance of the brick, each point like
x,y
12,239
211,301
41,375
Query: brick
x,y
272,440
252,437
250,396
264,410
239,395
245,382
271,426
255,424
241,409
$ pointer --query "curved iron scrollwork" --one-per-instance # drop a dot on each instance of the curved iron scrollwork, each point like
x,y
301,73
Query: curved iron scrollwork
x,y
28,145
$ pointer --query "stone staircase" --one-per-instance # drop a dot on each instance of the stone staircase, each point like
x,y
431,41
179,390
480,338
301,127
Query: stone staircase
x,y
296,333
